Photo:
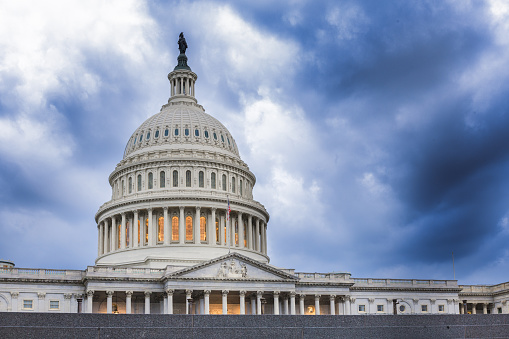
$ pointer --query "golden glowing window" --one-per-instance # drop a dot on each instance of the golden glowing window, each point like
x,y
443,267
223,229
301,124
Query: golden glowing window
x,y
225,233
139,238
175,228
203,229
145,231
160,229
127,234
236,232
119,227
217,230
189,228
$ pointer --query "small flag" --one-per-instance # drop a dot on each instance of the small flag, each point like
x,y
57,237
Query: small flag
x,y
229,210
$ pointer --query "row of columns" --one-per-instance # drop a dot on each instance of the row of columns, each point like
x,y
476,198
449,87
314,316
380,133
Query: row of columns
x,y
182,86
254,231
464,308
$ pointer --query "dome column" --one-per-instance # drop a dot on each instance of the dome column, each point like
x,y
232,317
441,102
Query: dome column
x,y
122,233
100,229
257,235
105,236
182,226
150,230
114,236
166,227
241,230
250,232
197,228
212,228
135,228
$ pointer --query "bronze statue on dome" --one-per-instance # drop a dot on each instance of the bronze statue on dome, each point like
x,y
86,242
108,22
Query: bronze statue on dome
x,y
182,43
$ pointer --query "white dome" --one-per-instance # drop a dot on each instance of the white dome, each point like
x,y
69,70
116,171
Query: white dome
x,y
178,124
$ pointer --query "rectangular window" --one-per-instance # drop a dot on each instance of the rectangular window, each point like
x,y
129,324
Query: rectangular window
x,y
28,304
499,310
54,305
362,308
379,308
424,308
441,308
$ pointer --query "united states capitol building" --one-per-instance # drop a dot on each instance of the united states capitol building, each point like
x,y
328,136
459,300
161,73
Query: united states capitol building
x,y
182,234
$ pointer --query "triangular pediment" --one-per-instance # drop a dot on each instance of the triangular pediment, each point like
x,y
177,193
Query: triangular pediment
x,y
232,266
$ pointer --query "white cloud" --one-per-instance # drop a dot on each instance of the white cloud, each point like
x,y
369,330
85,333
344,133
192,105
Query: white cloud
x,y
349,21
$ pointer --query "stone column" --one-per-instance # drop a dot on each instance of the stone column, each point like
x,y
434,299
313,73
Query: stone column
x,y
317,304
276,302
332,299
128,296
122,232
130,232
182,226
189,300
249,232
253,303
212,228
114,234
432,303
225,301
167,233
474,305
90,298
257,235
292,303
42,301
222,239
484,308
147,299
264,238
241,230
100,250
285,305
105,236
206,295
169,293
242,302
302,310
135,228
197,237
67,302
347,305
259,302
109,302
150,230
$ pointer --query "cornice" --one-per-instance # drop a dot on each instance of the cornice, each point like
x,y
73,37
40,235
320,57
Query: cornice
x,y
41,281
323,283
413,289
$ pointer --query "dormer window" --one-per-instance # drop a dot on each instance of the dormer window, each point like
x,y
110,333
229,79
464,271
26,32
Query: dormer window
x,y
176,132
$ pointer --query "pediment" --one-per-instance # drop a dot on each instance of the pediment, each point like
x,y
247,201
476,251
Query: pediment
x,y
232,266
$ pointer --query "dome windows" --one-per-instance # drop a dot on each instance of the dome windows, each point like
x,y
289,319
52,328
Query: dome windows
x,y
148,135
150,181
188,178
139,182
162,179
228,141
166,132
186,132
206,134
176,132
222,138
201,181
224,182
175,178
233,185
215,135
213,180
196,132
141,137
156,135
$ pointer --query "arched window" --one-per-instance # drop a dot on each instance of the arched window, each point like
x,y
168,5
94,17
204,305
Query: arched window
x,y
145,231
139,232
188,178
200,179
166,132
148,135
162,179
130,182
186,132
206,134
139,182
214,134
156,135
189,228
175,228
176,132
203,229
217,231
150,180
236,231
213,180
127,224
233,184
224,182
175,178
240,187
160,229
122,192
196,133
119,227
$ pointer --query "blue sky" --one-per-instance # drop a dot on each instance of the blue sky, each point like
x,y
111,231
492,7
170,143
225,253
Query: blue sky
x,y
378,130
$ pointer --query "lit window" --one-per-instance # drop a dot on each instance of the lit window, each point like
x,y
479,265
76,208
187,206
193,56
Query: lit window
x,y
379,308
139,231
175,228
201,179
217,230
141,137
145,231
27,304
119,229
54,304
188,178
233,184
424,308
156,135
186,132
236,232
203,229
130,184
215,135
162,179
441,308
189,228
175,178
213,180
176,132
206,134
148,135
150,181
362,308
160,230
139,182
166,132
224,182
127,234
196,133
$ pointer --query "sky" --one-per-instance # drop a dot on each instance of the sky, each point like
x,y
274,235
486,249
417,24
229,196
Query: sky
x,y
378,131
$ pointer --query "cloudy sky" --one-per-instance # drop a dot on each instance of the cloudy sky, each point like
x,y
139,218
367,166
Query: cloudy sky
x,y
378,130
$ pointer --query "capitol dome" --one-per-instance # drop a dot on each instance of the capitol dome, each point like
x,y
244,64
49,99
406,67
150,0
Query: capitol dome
x,y
181,194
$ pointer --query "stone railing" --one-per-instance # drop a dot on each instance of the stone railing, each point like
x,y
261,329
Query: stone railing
x,y
37,273
404,282
122,271
483,289
323,276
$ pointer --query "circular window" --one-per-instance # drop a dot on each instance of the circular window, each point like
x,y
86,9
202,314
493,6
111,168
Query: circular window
x,y
402,308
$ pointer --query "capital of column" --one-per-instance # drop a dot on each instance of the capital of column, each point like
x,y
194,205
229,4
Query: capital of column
x,y
260,293
449,301
292,294
276,293
347,297
90,293
14,295
317,296
41,295
302,296
214,209
122,214
415,301
129,293
352,300
225,292
165,208
206,293
147,293
432,301
109,293
170,291
332,297
242,293
371,300
67,296
188,293
181,208
136,211
198,208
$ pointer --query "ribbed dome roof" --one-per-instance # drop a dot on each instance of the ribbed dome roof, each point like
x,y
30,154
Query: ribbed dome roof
x,y
181,125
